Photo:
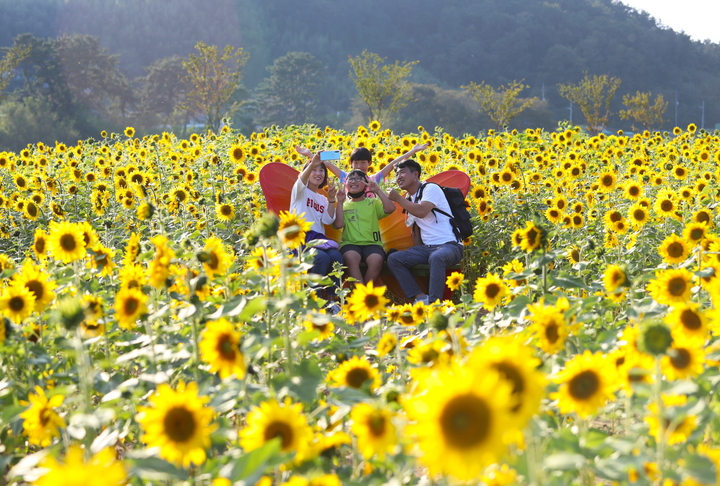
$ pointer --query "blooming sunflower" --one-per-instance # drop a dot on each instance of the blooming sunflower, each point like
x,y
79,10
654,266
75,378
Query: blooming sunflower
x,y
40,244
216,260
37,282
531,237
455,281
271,420
224,211
689,321
673,249
387,344
237,153
685,359
519,367
459,416
41,422
179,423
293,228
264,258
548,326
321,324
671,286
17,302
367,301
160,265
373,426
676,426
638,215
130,304
695,233
586,383
102,468
132,249
490,290
354,373
220,348
66,241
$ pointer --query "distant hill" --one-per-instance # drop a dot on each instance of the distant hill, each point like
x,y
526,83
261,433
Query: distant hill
x,y
456,42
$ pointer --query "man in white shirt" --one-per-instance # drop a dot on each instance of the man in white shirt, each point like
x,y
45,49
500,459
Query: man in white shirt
x,y
433,236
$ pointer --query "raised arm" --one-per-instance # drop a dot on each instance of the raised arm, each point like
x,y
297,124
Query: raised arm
x,y
340,213
388,205
417,148
314,162
419,210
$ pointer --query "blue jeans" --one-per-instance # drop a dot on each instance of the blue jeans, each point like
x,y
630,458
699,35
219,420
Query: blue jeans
x,y
438,257
323,264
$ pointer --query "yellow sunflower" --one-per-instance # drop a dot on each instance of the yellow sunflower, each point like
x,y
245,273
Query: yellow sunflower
x,y
41,423
519,367
689,321
373,426
676,425
215,258
458,419
673,249
387,344
490,291
224,211
292,229
685,359
40,244
354,373
671,286
179,423
271,420
102,468
638,215
17,302
367,301
130,304
586,383
455,281
38,282
66,241
548,327
159,269
220,348
531,237
322,324
695,233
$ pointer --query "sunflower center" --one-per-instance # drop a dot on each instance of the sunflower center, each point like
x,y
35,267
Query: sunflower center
x,y
68,243
214,262
40,246
584,385
371,301
356,377
551,333
37,288
376,424
225,348
226,210
531,236
607,181
675,250
282,430
697,234
492,290
676,286
666,205
690,320
16,304
179,424
131,305
680,358
511,373
465,421
639,215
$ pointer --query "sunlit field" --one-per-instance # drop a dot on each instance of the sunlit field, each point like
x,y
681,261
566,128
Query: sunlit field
x,y
158,329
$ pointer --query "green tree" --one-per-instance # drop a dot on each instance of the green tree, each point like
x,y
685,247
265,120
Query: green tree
x,y
641,109
31,120
501,104
383,88
10,61
163,91
290,95
213,78
593,95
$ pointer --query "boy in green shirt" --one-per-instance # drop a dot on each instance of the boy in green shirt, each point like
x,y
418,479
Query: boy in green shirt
x,y
360,217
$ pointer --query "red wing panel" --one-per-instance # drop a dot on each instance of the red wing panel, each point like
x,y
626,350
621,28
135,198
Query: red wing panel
x,y
276,181
453,178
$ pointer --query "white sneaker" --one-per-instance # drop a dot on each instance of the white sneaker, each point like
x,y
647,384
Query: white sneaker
x,y
425,300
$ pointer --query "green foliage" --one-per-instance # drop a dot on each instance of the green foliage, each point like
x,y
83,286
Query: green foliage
x,y
163,91
10,61
501,104
640,109
383,88
214,77
32,118
290,95
593,95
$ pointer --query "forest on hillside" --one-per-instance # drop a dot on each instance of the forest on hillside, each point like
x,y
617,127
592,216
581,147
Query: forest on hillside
x,y
542,43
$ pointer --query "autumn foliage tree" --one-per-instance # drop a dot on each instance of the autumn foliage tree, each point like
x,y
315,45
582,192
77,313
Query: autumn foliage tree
x,y
593,95
641,109
213,77
501,104
383,88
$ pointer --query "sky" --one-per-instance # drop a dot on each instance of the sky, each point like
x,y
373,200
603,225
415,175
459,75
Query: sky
x,y
700,19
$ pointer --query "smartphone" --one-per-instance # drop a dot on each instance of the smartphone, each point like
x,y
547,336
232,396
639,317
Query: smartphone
x,y
330,155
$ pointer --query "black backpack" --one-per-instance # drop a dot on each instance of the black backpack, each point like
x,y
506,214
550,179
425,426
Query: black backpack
x,y
460,217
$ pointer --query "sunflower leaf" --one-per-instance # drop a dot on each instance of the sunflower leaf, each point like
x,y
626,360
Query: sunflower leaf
x,y
564,461
250,466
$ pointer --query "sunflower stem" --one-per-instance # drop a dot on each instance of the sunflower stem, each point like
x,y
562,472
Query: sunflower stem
x,y
657,392
196,349
628,410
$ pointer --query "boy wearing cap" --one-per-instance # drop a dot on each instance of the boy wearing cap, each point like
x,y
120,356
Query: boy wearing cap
x,y
359,217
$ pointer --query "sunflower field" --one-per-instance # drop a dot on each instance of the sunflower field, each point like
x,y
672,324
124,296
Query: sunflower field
x,y
157,329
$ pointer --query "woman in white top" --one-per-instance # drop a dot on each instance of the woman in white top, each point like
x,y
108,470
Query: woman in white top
x,y
304,198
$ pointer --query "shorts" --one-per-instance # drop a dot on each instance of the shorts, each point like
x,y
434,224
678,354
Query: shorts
x,y
364,250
